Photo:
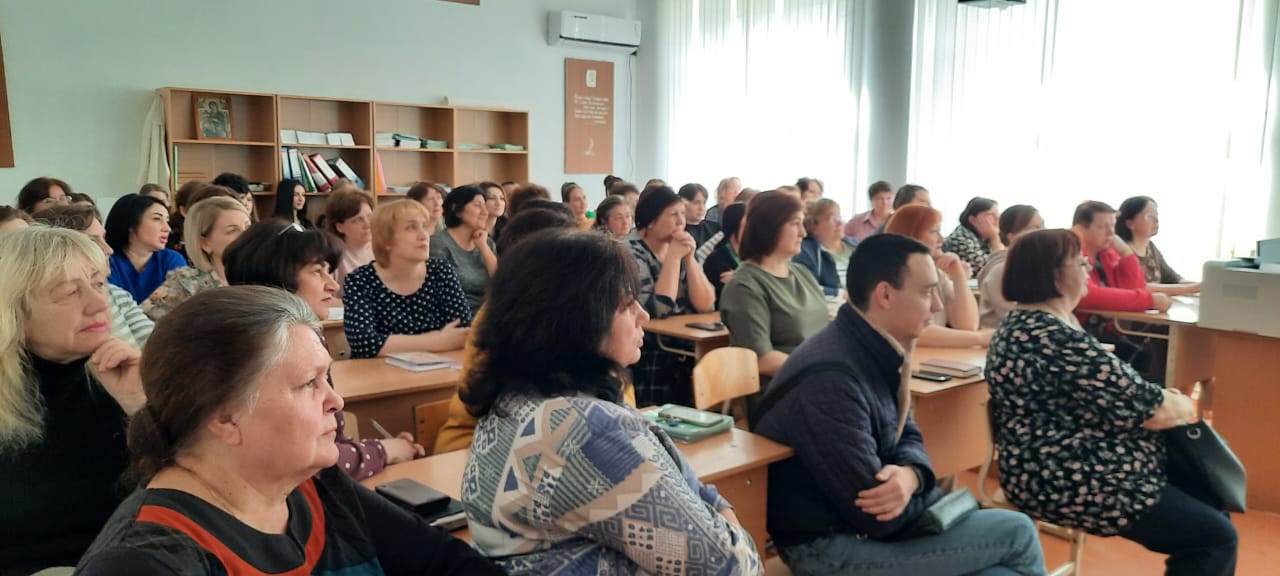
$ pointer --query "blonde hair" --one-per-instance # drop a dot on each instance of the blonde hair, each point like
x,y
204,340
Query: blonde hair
x,y
815,211
200,220
33,259
387,218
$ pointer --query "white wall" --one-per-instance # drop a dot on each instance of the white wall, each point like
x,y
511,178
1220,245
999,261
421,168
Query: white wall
x,y
81,73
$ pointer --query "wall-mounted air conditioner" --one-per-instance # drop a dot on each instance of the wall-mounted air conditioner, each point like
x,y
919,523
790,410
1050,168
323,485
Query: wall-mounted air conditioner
x,y
594,31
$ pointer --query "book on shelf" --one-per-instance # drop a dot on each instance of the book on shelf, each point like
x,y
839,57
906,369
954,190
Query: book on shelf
x,y
323,165
466,146
419,361
288,136
508,147
340,139
312,138
951,367
384,139
317,177
435,144
343,169
397,189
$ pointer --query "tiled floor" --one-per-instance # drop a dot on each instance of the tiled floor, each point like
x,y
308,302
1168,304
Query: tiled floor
x,y
1259,550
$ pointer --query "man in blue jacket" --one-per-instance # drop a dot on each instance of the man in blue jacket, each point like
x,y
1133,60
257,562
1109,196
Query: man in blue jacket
x,y
860,478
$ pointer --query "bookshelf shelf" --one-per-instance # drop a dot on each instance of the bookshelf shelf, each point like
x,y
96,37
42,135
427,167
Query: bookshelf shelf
x,y
256,150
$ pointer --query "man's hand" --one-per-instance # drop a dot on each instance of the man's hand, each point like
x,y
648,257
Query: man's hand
x,y
890,498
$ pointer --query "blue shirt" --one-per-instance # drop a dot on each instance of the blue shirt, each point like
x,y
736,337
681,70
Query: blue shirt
x,y
140,285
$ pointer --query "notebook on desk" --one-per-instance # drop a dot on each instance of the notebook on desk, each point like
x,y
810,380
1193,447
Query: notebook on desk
x,y
952,368
419,361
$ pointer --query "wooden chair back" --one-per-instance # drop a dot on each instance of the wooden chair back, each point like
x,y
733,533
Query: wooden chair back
x,y
428,419
987,499
724,374
351,425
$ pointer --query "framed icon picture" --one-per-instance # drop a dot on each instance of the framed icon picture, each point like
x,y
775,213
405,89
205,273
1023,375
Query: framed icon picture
x,y
213,116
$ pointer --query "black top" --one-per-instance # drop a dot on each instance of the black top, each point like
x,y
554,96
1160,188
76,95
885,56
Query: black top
x,y
335,527
58,493
721,260
702,231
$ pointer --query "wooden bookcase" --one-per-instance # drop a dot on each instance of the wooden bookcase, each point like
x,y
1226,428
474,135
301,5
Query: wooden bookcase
x,y
257,119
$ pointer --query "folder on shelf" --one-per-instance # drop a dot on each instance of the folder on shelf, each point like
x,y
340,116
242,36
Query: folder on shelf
x,y
288,136
317,177
323,165
343,169
379,179
299,170
312,138
286,171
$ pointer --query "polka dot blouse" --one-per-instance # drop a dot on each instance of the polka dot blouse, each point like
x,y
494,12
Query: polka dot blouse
x,y
375,313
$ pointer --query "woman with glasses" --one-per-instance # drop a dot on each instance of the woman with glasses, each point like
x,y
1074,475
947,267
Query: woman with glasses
x,y
978,234
43,192
1137,222
826,250
1077,428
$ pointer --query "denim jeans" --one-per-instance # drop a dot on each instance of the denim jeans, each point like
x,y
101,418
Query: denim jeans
x,y
987,542
1199,540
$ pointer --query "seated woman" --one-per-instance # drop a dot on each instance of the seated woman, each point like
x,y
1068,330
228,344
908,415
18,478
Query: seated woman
x,y
235,457
1077,428
278,254
238,184
1137,222
956,326
128,322
291,202
537,372
210,227
978,235
613,217
138,230
1014,222
695,212
431,196
12,218
495,205
347,215
404,301
772,303
671,282
575,198
825,251
536,216
44,192
465,243
66,389
156,191
723,260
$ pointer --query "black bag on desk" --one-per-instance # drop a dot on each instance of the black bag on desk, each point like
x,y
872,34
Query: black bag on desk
x,y
1200,458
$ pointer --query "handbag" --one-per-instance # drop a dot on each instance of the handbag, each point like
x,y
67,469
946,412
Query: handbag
x,y
943,514
1205,466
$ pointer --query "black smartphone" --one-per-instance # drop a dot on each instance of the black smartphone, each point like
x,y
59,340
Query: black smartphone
x,y
930,376
710,326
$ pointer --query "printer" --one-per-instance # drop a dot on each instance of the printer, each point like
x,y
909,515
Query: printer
x,y
1243,296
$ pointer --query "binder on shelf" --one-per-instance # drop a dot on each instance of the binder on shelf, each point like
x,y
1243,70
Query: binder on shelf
x,y
379,178
299,170
286,171
343,169
323,165
317,177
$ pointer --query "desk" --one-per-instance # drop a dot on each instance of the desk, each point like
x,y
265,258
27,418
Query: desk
x,y
737,463
335,335
677,327
952,415
372,388
1190,358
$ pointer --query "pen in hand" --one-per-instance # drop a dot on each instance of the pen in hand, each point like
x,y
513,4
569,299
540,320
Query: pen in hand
x,y
380,429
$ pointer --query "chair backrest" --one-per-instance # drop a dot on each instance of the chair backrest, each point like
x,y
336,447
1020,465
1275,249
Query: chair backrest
x,y
429,418
351,425
724,374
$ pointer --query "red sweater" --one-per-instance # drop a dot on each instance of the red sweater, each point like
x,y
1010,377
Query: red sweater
x,y
1125,288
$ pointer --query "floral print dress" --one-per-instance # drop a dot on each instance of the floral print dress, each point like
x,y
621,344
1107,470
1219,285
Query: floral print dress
x,y
1067,420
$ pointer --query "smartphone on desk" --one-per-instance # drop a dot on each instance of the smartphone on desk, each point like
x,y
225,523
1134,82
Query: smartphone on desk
x,y
930,376
709,326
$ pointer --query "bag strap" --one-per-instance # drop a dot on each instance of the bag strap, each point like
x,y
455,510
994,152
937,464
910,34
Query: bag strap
x,y
778,390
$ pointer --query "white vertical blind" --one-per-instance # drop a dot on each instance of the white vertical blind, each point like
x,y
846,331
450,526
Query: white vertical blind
x,y
766,90
1057,102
